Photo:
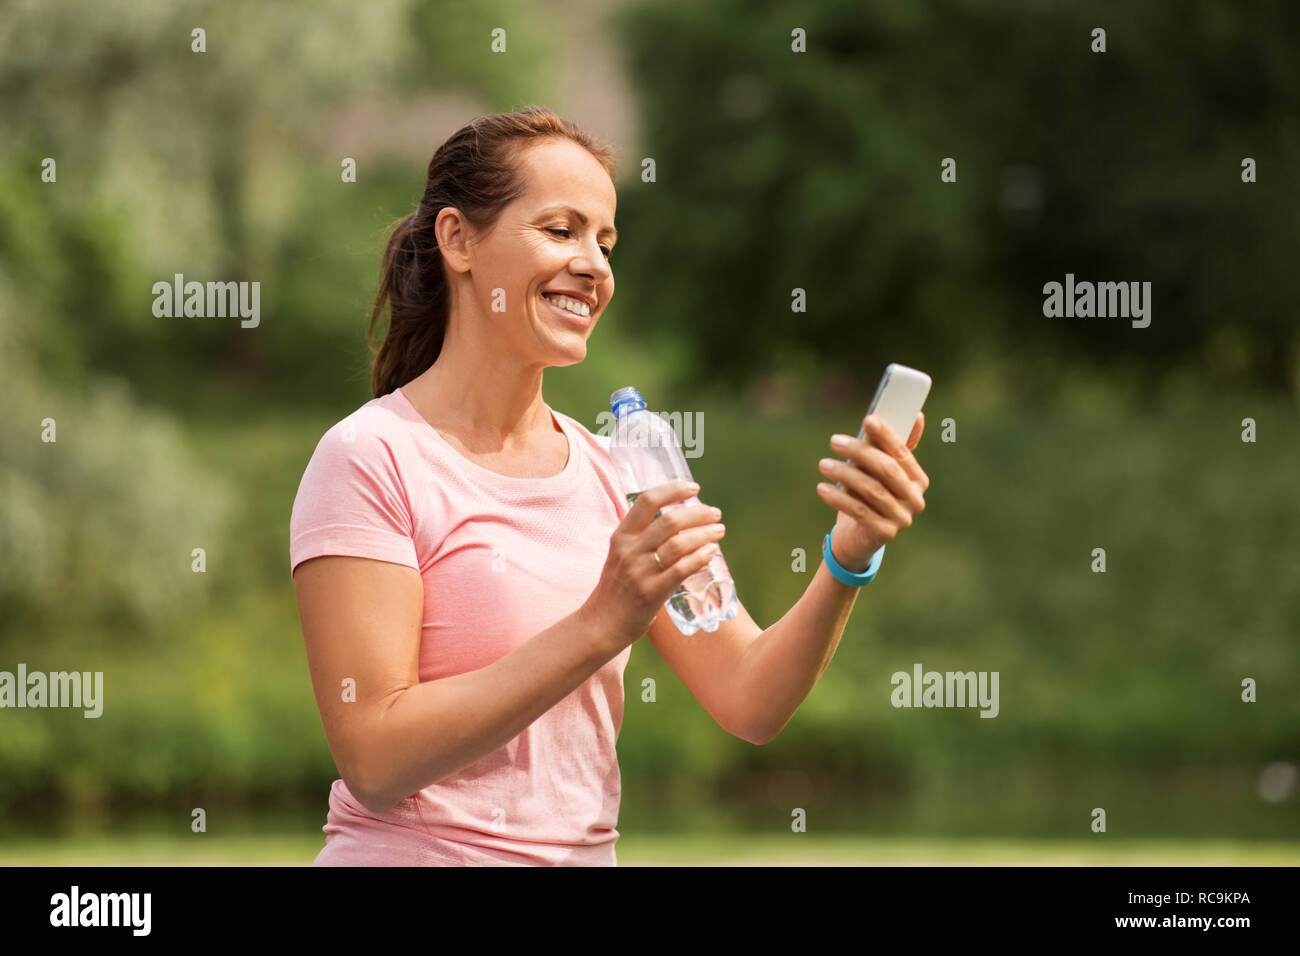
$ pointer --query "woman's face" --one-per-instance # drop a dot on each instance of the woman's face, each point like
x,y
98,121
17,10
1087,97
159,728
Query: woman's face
x,y
541,248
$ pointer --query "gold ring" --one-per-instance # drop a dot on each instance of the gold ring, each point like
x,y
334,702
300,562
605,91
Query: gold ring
x,y
657,561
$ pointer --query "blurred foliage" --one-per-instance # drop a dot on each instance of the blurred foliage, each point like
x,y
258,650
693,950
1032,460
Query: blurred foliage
x,y
775,171
821,171
97,525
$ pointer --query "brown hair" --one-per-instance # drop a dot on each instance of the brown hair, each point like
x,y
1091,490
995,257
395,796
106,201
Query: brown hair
x,y
476,170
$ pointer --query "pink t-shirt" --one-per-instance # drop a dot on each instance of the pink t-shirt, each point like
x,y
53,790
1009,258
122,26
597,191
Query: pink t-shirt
x,y
501,559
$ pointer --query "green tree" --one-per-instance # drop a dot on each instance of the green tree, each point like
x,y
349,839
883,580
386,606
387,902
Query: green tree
x,y
779,170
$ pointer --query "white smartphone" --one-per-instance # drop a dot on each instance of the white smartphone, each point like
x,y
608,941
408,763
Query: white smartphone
x,y
898,400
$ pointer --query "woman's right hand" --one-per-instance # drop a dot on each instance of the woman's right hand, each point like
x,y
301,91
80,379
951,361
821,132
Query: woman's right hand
x,y
632,586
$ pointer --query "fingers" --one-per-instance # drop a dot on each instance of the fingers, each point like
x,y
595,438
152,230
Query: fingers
x,y
882,528
681,543
881,474
917,430
885,496
649,503
882,438
677,516
668,521
690,562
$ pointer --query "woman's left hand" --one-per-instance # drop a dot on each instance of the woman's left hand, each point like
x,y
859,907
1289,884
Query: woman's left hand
x,y
881,495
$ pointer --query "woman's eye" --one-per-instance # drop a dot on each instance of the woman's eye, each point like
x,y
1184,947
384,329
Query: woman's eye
x,y
566,233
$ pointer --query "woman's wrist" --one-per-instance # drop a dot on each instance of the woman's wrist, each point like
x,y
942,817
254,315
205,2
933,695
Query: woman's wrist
x,y
850,575
857,567
597,634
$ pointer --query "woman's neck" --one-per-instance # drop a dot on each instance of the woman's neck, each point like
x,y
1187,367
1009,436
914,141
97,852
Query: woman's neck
x,y
500,410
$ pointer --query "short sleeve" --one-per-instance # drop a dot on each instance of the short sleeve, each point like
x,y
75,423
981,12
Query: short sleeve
x,y
352,501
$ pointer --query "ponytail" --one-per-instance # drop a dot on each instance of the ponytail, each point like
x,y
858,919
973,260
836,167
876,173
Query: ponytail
x,y
413,284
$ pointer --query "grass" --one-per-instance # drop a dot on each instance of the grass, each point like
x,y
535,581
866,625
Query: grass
x,y
656,850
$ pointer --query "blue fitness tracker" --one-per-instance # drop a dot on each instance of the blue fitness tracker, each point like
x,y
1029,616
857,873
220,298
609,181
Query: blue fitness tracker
x,y
842,573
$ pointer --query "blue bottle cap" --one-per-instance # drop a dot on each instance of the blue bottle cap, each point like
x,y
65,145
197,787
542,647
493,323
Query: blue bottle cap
x,y
626,399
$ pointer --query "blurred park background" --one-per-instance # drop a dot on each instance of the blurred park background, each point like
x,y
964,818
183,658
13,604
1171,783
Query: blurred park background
x,y
774,170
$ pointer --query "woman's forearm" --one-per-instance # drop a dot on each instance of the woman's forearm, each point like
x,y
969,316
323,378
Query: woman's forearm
x,y
435,728
784,663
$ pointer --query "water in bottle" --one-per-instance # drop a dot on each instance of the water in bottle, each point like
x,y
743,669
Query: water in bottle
x,y
646,453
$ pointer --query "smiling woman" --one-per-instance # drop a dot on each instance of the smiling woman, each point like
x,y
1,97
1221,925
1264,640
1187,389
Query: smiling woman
x,y
466,643
469,575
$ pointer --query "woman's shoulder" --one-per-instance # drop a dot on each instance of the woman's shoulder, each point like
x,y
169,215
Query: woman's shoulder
x,y
357,492
381,427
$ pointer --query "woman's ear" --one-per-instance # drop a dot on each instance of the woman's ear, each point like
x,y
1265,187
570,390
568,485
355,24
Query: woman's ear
x,y
452,232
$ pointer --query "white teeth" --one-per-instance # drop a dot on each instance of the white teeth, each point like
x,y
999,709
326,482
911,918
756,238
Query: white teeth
x,y
570,305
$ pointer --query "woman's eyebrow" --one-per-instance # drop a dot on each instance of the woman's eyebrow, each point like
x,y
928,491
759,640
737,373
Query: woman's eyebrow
x,y
608,230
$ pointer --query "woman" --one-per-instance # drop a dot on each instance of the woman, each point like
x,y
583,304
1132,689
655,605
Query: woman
x,y
470,578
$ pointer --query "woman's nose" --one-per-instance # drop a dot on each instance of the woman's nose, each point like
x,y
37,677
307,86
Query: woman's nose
x,y
592,257
587,267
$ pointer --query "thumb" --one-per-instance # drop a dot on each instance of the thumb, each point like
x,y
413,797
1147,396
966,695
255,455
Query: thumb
x,y
917,429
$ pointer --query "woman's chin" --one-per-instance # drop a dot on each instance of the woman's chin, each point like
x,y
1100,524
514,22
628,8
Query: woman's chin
x,y
570,356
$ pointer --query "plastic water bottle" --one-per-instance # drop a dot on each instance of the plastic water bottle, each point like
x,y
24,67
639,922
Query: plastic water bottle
x,y
646,453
